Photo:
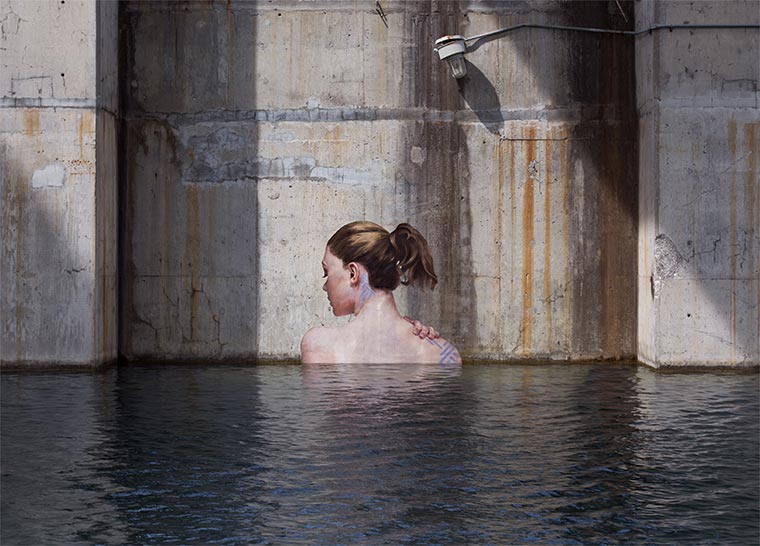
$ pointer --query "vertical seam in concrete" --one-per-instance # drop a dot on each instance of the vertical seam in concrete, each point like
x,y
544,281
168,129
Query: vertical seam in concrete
x,y
512,208
655,197
499,240
547,240
751,138
732,237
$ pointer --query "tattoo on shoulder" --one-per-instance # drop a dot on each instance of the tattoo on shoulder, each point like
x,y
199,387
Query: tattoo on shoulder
x,y
449,353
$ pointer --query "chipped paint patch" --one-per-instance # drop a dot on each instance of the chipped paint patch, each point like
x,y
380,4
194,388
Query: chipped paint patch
x,y
51,176
668,260
417,155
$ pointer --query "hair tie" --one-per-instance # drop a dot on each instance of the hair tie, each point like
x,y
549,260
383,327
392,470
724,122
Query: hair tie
x,y
403,274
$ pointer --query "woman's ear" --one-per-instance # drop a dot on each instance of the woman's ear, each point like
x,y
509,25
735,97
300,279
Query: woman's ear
x,y
354,273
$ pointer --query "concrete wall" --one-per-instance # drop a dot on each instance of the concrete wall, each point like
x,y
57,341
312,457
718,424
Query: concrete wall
x,y
57,163
256,129
253,130
699,243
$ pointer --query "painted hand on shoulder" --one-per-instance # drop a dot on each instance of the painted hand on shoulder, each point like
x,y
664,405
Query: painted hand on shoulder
x,y
422,331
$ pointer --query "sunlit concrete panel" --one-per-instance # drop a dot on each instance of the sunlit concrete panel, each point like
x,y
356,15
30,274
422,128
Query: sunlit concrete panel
x,y
715,319
48,53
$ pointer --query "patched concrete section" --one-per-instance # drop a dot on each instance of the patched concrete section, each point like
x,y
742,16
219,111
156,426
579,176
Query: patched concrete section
x,y
228,152
699,244
668,261
51,176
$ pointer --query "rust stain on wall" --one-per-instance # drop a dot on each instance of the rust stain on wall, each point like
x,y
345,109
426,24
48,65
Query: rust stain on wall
x,y
527,239
211,229
512,232
564,173
86,119
31,122
165,186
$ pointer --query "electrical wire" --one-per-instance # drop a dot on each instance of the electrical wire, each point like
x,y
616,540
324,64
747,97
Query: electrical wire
x,y
606,31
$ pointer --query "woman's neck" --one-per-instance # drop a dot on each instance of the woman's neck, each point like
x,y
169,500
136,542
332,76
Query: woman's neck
x,y
379,303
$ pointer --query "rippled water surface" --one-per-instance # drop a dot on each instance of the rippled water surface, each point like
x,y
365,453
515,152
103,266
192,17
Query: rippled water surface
x,y
597,454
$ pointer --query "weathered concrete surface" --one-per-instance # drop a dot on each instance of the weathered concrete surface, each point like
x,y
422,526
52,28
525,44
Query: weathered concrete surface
x,y
48,53
255,131
58,296
699,241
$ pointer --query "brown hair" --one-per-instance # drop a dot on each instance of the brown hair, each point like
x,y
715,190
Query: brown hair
x,y
401,256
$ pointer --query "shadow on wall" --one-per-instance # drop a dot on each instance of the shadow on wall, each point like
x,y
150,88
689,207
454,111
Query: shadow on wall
x,y
56,298
190,283
481,96
436,191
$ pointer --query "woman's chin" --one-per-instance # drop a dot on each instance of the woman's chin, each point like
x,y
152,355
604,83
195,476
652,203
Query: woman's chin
x,y
339,312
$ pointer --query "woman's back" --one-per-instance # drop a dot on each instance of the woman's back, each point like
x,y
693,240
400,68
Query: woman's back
x,y
378,334
353,343
362,341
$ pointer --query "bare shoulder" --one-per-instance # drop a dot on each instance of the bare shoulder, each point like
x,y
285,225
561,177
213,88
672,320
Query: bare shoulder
x,y
317,345
441,351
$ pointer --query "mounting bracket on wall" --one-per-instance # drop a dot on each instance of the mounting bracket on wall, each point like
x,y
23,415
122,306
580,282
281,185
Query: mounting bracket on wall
x,y
452,48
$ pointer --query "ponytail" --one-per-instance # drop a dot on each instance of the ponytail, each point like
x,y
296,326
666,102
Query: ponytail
x,y
413,257
390,258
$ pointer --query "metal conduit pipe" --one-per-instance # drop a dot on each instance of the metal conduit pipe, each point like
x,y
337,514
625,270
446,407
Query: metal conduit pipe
x,y
605,30
453,48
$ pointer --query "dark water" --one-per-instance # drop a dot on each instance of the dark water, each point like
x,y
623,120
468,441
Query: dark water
x,y
600,454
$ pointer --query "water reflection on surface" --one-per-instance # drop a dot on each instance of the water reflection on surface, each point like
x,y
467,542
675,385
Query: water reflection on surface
x,y
581,454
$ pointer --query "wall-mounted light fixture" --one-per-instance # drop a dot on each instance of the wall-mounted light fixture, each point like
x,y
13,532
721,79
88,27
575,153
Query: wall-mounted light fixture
x,y
453,48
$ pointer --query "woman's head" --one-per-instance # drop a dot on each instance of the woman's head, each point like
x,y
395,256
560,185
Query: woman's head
x,y
401,256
